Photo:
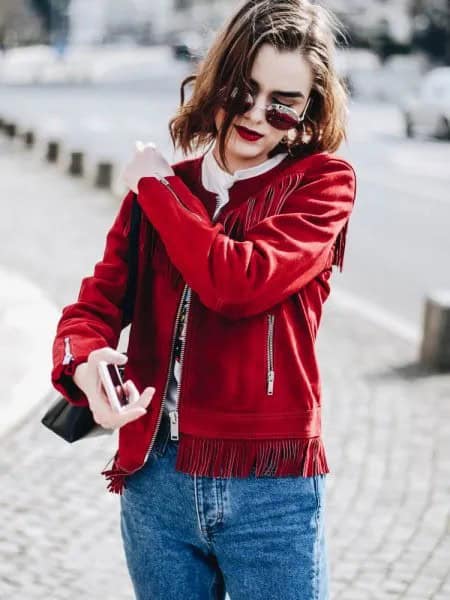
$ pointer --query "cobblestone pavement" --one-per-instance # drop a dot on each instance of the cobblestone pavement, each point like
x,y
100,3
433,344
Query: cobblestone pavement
x,y
387,430
387,435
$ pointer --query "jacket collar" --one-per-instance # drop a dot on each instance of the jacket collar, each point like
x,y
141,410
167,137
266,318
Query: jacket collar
x,y
190,171
215,179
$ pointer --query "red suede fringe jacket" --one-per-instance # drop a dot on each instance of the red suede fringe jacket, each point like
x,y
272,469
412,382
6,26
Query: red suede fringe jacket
x,y
250,393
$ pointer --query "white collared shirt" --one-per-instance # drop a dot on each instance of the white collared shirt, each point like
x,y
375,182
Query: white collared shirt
x,y
218,181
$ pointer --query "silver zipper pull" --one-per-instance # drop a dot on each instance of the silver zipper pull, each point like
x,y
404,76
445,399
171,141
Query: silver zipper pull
x,y
173,415
270,380
166,182
67,352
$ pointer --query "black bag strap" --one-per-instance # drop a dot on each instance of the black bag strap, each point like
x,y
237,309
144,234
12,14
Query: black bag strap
x,y
132,259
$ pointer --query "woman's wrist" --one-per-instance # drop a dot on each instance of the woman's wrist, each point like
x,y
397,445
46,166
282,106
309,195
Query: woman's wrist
x,y
79,376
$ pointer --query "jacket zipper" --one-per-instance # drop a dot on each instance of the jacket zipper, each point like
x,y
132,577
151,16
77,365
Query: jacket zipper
x,y
174,413
270,366
68,356
174,428
164,181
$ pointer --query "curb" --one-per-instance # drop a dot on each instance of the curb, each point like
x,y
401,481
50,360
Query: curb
x,y
27,323
74,161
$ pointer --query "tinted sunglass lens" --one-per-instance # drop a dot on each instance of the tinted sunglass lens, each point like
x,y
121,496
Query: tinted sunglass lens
x,y
237,102
282,120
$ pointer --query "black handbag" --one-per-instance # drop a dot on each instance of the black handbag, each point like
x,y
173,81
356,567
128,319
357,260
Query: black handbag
x,y
71,422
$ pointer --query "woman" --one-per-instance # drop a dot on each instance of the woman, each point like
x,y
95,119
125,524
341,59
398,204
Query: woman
x,y
221,465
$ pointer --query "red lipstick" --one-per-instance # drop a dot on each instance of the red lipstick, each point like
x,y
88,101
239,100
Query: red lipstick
x,y
247,134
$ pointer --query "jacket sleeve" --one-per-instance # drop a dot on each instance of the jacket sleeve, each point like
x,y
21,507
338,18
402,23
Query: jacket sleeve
x,y
280,254
95,319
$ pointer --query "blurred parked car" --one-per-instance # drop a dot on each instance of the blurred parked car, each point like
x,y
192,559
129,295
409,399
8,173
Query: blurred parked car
x,y
428,111
187,45
190,44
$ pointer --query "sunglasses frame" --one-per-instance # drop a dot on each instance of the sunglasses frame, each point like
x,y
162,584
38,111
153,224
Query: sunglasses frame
x,y
273,106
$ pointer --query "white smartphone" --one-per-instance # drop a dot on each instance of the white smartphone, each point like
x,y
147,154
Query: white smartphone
x,y
110,378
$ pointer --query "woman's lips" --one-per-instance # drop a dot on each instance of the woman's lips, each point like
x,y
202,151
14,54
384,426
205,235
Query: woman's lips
x,y
246,134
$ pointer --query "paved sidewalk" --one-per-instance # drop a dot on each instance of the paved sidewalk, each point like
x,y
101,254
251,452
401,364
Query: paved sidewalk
x,y
386,431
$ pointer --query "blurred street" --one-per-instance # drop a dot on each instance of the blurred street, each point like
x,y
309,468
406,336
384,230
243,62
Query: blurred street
x,y
386,421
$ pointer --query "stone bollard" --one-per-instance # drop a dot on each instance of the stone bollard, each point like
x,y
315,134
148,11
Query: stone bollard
x,y
435,347
76,167
10,129
29,138
104,175
52,154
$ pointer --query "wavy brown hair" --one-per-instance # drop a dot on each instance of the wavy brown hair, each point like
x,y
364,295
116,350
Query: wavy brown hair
x,y
286,25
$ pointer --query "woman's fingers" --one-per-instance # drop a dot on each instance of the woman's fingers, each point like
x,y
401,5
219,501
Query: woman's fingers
x,y
147,396
102,411
129,415
108,355
107,417
134,398
131,392
140,146
100,407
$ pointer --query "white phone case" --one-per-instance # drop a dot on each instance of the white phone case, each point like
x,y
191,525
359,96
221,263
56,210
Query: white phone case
x,y
109,386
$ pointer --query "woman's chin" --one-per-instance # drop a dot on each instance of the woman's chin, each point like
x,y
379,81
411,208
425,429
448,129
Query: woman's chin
x,y
244,149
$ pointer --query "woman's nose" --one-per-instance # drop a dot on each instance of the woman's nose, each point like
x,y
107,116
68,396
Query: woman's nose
x,y
257,111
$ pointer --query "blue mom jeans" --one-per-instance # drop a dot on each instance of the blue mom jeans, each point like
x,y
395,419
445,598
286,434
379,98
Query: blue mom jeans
x,y
198,538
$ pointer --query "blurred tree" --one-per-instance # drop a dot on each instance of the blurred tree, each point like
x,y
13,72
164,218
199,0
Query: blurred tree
x,y
432,28
55,20
384,43
379,39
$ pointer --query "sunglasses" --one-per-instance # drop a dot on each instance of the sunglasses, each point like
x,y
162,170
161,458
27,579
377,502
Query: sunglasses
x,y
279,116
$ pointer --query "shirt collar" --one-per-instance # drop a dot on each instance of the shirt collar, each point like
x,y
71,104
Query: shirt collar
x,y
215,179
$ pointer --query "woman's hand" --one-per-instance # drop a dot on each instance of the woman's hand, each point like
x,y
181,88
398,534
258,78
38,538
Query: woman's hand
x,y
146,162
88,380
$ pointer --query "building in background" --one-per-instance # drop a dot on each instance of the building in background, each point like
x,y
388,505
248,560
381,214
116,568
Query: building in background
x,y
18,24
369,18
383,26
144,21
86,21
209,13
112,21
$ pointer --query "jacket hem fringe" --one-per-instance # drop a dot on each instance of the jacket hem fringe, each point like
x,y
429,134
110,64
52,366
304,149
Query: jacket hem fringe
x,y
237,458
116,478
339,248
